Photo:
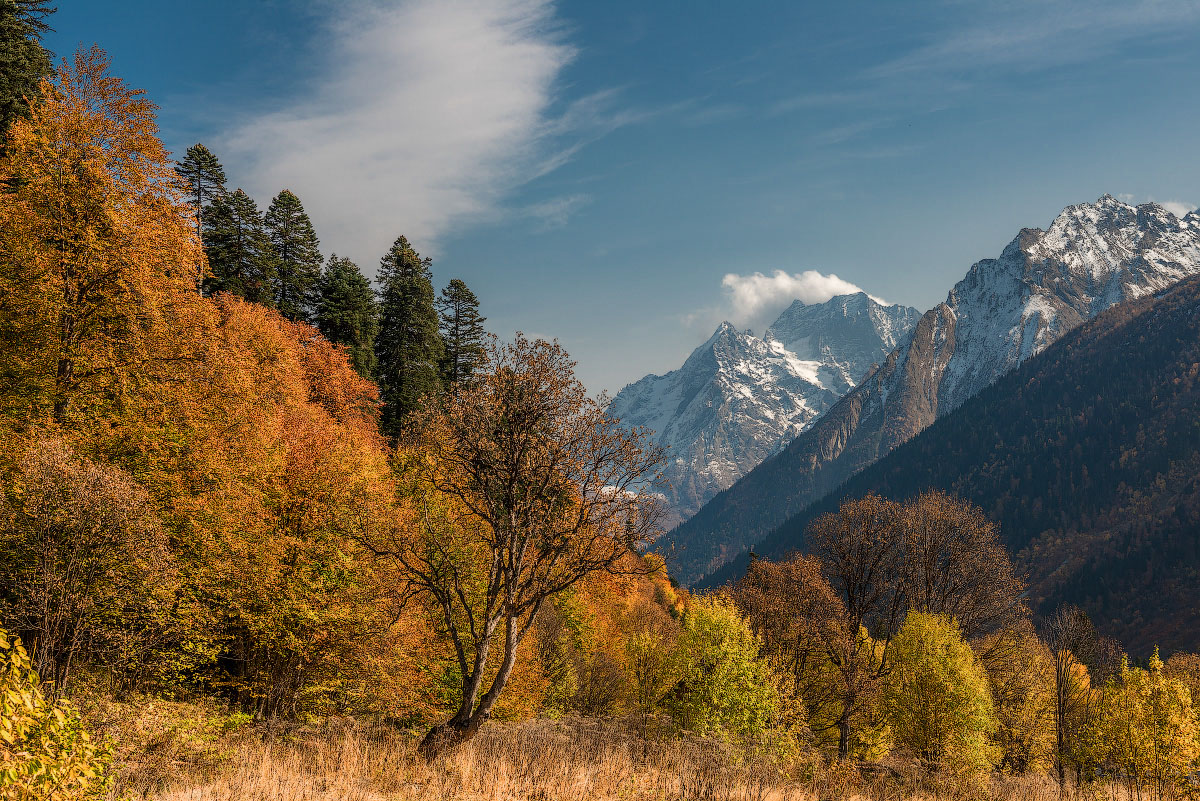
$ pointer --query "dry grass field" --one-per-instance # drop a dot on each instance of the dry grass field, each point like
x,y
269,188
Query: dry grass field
x,y
540,760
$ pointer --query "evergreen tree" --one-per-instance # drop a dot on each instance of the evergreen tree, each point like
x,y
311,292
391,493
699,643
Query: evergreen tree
x,y
297,256
23,59
240,255
348,313
205,179
408,346
462,332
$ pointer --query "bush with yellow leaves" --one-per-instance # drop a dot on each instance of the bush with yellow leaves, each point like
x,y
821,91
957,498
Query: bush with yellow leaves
x,y
45,753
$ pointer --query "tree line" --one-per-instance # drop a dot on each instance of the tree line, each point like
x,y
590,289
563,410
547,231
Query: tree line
x,y
412,343
904,631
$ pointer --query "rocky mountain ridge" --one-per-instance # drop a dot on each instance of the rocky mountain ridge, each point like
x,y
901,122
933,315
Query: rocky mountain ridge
x,y
738,398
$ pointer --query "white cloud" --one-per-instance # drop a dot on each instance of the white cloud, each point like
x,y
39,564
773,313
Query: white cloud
x,y
1034,34
555,212
1178,208
754,300
427,115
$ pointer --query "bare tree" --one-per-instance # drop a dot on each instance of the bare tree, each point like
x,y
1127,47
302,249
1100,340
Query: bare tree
x,y
1072,641
955,565
537,489
860,548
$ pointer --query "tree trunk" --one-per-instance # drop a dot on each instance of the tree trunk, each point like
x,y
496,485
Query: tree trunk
x,y
467,721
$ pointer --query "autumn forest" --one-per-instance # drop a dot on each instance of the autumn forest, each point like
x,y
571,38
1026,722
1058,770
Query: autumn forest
x,y
270,528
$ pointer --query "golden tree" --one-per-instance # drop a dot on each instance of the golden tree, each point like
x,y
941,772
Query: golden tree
x,y
96,245
523,486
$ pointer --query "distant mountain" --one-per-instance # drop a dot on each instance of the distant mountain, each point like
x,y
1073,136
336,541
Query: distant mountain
x,y
1044,284
738,398
1088,456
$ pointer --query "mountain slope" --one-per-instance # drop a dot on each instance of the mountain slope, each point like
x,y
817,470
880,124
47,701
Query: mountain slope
x,y
738,398
1005,310
1088,456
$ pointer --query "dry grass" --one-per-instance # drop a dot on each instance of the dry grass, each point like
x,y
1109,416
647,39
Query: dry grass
x,y
533,761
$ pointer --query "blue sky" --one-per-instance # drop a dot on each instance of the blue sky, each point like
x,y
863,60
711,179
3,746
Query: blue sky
x,y
614,173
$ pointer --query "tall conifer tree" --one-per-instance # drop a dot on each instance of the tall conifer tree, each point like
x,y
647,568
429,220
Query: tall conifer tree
x,y
23,59
408,347
240,255
348,313
462,332
205,179
297,256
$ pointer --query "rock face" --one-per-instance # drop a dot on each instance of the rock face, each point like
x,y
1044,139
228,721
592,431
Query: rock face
x,y
1005,310
739,398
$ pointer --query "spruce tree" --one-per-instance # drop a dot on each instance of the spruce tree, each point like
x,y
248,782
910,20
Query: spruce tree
x,y
408,347
205,179
462,333
297,256
240,255
348,313
23,59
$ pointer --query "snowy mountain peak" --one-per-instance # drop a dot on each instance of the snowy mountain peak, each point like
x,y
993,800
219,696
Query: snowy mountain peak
x,y
1045,283
739,398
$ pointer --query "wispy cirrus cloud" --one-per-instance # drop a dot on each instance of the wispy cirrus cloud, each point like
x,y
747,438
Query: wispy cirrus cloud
x,y
426,116
555,212
1024,35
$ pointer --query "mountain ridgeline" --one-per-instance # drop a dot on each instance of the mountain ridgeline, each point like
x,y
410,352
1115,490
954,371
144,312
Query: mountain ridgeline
x,y
740,398
1088,456
1044,284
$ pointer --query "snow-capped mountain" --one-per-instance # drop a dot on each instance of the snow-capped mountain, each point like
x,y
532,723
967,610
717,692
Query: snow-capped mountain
x,y
739,398
1005,310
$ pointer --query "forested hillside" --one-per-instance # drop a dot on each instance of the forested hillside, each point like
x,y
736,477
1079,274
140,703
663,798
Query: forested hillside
x,y
1087,457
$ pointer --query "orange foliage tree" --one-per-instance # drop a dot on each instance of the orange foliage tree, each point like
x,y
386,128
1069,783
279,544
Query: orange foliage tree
x,y
96,244
254,440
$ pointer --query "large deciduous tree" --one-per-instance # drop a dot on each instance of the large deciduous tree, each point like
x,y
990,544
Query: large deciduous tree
x,y
935,555
860,553
539,489
97,252
297,256
955,565
408,348
241,259
462,333
348,313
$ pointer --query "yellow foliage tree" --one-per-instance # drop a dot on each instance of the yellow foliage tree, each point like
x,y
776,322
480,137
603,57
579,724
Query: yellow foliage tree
x,y
1147,731
937,698
1020,670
